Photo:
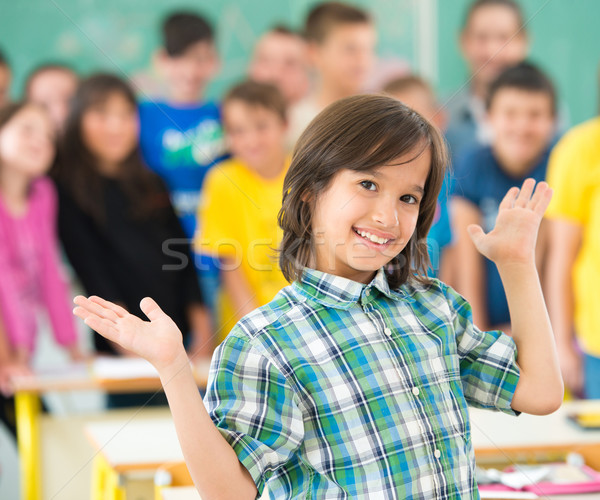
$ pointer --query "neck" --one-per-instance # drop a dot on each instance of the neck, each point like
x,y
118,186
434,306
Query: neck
x,y
273,167
108,169
14,187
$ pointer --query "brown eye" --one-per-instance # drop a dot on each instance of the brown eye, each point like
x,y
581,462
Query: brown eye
x,y
370,186
410,199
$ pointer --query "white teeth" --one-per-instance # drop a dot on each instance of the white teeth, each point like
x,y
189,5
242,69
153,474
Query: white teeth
x,y
372,237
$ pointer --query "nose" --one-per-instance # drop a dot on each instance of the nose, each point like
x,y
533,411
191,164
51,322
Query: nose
x,y
386,212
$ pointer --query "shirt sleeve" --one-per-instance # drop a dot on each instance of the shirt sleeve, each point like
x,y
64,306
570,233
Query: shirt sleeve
x,y
488,367
254,408
53,284
567,179
217,219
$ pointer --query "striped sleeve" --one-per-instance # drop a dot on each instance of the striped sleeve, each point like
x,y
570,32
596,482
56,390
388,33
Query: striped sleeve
x,y
488,367
253,406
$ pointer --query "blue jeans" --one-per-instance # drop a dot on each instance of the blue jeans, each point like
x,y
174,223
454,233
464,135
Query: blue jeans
x,y
591,376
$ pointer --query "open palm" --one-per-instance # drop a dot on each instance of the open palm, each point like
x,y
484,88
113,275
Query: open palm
x,y
514,236
158,340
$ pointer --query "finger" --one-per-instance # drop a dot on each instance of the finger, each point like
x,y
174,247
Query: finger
x,y
81,312
525,194
95,308
104,327
541,198
151,309
118,310
509,198
476,233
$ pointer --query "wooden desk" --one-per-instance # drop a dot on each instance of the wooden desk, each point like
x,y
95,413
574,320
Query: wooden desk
x,y
126,446
70,378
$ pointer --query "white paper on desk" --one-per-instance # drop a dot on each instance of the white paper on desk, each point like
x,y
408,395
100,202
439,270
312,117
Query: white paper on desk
x,y
507,494
122,368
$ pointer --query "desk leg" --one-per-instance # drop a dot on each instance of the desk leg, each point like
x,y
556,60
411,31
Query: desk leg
x,y
27,411
106,482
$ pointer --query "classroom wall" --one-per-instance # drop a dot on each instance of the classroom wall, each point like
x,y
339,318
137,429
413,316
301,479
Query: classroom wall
x,y
120,36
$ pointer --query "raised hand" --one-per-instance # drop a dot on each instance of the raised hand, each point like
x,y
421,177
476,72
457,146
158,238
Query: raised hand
x,y
158,340
514,236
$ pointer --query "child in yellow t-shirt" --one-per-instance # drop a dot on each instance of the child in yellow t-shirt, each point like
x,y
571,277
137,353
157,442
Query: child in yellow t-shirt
x,y
241,199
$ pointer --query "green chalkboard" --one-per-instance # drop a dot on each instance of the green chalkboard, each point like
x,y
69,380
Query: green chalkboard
x,y
121,35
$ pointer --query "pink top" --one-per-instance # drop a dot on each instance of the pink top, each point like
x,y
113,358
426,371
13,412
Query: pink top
x,y
30,270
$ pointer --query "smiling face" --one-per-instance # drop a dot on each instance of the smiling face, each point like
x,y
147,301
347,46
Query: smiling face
x,y
54,88
27,142
364,219
189,73
109,130
345,58
523,125
281,59
256,135
493,40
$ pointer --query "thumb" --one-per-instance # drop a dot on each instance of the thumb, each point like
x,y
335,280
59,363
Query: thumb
x,y
476,233
150,308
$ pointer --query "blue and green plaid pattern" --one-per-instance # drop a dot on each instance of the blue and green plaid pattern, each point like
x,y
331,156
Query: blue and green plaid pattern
x,y
337,389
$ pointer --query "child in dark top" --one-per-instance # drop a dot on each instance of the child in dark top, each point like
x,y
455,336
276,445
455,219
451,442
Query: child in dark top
x,y
181,138
115,219
521,109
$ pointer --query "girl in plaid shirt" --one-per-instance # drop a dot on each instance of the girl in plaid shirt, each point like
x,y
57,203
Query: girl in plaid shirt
x,y
354,381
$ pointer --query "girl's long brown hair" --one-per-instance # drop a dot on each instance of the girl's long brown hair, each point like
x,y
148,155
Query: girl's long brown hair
x,y
359,133
76,169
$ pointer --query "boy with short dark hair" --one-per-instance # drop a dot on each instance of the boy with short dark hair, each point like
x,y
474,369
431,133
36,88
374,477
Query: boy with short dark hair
x,y
182,138
521,109
240,228
341,46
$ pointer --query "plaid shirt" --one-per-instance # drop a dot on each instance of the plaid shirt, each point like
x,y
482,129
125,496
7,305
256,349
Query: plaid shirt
x,y
336,389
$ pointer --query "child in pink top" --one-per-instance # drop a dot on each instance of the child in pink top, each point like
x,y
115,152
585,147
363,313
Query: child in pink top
x,y
31,275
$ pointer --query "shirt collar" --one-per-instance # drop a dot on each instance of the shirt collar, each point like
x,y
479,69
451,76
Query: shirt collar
x,y
334,291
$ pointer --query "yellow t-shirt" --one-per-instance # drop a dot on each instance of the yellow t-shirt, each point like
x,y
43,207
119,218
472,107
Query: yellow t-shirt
x,y
238,220
574,174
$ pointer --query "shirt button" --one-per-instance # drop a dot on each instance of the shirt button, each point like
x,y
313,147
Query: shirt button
x,y
437,453
367,292
415,391
387,331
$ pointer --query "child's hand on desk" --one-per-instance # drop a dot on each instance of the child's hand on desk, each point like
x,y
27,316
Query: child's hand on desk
x,y
513,239
158,340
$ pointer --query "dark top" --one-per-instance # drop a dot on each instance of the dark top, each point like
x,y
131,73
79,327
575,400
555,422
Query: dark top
x,y
126,258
